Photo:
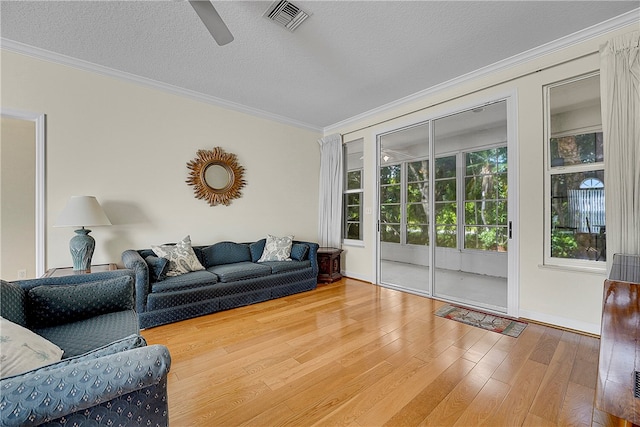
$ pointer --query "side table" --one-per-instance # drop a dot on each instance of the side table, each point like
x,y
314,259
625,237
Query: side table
x,y
69,271
329,265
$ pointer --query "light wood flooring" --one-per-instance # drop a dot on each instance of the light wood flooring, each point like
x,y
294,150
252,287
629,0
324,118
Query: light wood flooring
x,y
355,354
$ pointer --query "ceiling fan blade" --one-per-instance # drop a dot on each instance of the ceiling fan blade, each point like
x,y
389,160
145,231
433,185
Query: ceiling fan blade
x,y
212,20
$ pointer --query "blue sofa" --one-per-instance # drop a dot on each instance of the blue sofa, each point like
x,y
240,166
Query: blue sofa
x,y
107,375
232,278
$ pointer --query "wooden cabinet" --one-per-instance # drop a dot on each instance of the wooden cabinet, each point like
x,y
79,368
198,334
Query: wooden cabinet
x,y
329,265
619,342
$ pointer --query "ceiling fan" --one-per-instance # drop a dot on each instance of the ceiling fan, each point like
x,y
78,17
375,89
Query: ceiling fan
x,y
212,20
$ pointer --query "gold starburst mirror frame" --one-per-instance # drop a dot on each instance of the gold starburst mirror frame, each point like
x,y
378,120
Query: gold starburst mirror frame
x,y
216,176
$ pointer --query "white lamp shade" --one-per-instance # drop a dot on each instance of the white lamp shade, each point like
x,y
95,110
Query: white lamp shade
x,y
82,211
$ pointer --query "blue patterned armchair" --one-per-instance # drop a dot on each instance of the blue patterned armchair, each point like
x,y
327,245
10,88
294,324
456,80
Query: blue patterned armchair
x,y
107,375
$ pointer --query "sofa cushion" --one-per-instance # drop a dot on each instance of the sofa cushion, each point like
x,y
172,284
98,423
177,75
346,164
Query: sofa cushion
x,y
256,249
23,350
299,251
86,335
158,268
239,271
190,280
226,253
277,248
13,306
282,266
182,258
60,304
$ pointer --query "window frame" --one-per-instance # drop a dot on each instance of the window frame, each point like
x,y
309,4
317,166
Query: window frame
x,y
403,203
550,171
346,192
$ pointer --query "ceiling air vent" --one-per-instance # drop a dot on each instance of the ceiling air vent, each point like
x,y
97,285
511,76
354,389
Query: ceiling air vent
x,y
286,14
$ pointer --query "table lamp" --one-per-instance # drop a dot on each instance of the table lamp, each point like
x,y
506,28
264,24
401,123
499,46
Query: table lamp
x,y
82,211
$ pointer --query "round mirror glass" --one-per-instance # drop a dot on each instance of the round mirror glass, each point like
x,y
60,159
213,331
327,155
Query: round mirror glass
x,y
217,177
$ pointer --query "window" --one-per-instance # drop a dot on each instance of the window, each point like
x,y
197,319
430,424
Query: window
x,y
412,199
575,186
390,203
485,205
446,205
353,191
417,224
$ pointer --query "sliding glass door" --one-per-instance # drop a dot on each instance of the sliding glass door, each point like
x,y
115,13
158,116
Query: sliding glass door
x,y
471,193
443,198
404,209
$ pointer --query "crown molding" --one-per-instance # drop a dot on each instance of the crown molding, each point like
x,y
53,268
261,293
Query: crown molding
x,y
586,34
46,55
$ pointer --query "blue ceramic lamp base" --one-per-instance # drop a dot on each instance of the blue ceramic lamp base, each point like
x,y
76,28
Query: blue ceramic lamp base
x,y
81,247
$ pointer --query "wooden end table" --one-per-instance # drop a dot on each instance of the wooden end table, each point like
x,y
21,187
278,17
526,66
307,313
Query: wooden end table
x,y
329,265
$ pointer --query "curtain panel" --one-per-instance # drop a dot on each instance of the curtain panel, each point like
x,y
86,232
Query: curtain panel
x,y
620,97
330,203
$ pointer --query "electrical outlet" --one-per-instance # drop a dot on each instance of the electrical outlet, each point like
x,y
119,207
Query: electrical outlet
x,y
22,274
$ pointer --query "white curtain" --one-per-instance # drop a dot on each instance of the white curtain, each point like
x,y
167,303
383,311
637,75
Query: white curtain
x,y
620,93
330,206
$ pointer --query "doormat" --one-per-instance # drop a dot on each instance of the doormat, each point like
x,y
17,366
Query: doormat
x,y
501,325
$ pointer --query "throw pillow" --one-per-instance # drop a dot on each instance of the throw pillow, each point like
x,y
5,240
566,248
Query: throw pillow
x,y
299,251
51,305
123,344
256,249
23,350
277,249
158,268
182,258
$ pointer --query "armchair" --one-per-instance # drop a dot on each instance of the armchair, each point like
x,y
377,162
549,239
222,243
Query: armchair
x,y
107,375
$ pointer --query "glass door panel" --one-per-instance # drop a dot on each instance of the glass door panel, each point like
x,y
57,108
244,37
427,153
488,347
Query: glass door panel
x,y
403,194
470,207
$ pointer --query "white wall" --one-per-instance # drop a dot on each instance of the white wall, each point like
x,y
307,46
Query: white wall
x,y
128,145
564,297
17,198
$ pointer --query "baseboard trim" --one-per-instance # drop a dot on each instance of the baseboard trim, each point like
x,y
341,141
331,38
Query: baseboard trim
x,y
545,319
560,322
356,276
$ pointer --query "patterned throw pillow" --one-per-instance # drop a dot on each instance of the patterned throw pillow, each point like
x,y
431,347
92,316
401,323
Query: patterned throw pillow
x,y
277,249
181,257
23,350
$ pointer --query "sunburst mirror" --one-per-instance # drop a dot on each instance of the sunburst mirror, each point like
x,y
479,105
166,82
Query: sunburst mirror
x,y
216,176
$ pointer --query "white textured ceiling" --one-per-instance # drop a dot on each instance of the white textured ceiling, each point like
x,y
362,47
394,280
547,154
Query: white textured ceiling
x,y
349,57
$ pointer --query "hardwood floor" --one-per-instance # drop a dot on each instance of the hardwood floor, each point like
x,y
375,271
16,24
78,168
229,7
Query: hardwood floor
x,y
355,354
